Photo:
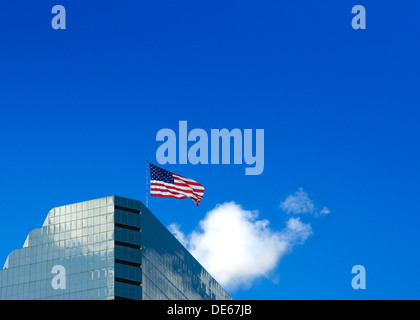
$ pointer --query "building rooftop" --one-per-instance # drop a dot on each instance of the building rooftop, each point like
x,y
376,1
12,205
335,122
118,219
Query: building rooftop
x,y
107,248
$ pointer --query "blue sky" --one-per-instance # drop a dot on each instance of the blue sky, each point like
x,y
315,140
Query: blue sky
x,y
80,109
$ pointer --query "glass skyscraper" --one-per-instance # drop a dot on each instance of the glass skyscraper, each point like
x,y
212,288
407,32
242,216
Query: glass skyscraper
x,y
108,248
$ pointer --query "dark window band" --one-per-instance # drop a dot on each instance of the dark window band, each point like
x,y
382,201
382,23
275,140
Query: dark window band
x,y
128,263
127,226
122,298
125,244
135,283
127,209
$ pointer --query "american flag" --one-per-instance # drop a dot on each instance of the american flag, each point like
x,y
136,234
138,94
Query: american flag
x,y
170,185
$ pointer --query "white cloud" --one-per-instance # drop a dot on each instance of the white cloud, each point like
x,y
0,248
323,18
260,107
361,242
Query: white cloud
x,y
325,211
298,203
237,248
176,231
296,232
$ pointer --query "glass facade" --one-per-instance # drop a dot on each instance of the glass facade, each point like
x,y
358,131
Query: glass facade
x,y
108,248
169,270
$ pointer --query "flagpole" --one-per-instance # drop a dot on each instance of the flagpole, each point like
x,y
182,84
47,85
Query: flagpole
x,y
147,183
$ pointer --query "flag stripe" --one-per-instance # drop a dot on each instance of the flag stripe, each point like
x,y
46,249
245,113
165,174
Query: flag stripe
x,y
170,185
170,196
179,186
182,182
190,181
173,195
157,187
